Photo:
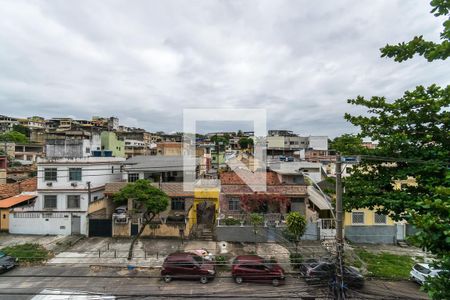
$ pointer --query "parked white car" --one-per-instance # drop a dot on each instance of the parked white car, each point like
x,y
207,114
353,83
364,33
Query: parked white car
x,y
120,214
420,272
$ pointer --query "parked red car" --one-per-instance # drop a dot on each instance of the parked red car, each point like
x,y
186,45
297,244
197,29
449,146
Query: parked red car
x,y
187,266
256,268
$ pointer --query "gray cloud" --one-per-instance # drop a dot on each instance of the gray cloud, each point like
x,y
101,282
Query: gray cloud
x,y
144,61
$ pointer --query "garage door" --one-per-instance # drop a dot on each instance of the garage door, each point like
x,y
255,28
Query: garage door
x,y
98,227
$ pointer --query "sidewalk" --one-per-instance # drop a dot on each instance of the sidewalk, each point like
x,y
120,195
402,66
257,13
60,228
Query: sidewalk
x,y
150,253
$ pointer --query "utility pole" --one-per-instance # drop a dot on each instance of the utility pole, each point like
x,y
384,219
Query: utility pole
x,y
89,191
339,291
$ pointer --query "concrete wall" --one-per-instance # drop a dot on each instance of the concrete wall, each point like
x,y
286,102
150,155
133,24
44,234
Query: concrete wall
x,y
110,142
264,234
376,234
40,224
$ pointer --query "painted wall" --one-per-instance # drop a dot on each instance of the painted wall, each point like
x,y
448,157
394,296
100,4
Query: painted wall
x,y
42,224
377,234
369,218
110,142
97,170
211,194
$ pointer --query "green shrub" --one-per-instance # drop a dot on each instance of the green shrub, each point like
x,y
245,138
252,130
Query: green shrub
x,y
232,221
296,260
221,260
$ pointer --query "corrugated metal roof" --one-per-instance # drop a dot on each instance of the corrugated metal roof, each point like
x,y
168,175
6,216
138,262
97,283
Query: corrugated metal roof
x,y
318,199
155,163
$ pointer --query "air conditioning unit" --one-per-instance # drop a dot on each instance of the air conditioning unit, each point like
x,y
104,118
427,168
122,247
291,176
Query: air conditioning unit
x,y
49,183
74,184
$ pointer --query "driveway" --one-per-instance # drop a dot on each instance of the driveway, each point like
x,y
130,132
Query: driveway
x,y
55,243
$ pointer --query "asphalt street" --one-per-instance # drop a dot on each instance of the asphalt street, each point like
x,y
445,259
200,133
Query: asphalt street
x,y
25,282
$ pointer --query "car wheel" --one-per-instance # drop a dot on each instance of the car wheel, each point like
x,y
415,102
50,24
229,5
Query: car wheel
x,y
238,280
275,282
204,279
167,279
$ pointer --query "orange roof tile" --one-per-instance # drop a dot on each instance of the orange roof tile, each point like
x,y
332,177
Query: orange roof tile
x,y
9,202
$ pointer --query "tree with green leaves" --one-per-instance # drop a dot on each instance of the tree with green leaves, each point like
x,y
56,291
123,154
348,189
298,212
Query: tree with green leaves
x,y
413,140
150,201
222,141
296,225
418,45
22,129
256,220
245,142
347,144
13,137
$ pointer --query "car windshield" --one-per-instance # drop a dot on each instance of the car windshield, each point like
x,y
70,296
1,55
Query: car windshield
x,y
2,254
422,269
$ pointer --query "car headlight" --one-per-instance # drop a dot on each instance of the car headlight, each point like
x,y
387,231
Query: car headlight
x,y
212,272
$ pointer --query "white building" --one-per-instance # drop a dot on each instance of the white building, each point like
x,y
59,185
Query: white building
x,y
318,142
65,188
73,148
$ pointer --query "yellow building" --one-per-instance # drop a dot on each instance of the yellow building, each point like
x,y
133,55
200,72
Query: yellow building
x,y
367,226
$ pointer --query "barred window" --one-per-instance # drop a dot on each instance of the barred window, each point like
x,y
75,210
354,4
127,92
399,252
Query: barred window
x,y
50,174
50,201
379,218
358,217
178,204
132,177
234,204
74,174
73,201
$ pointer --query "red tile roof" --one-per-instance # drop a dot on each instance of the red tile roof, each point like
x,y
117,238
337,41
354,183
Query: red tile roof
x,y
172,189
286,190
10,202
250,178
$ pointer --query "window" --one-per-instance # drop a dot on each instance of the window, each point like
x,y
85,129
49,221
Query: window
x,y
132,177
74,174
379,218
234,204
50,174
358,217
73,201
88,150
178,204
50,201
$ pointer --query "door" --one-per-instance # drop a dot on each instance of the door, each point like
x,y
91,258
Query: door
x,y
76,225
134,229
400,232
206,212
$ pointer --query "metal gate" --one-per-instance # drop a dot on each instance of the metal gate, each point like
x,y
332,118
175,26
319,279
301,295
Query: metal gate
x,y
100,227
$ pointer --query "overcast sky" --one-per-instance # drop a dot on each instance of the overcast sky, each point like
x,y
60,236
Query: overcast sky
x,y
144,61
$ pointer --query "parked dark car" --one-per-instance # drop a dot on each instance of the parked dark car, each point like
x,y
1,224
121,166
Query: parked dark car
x,y
6,262
256,268
325,271
187,266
